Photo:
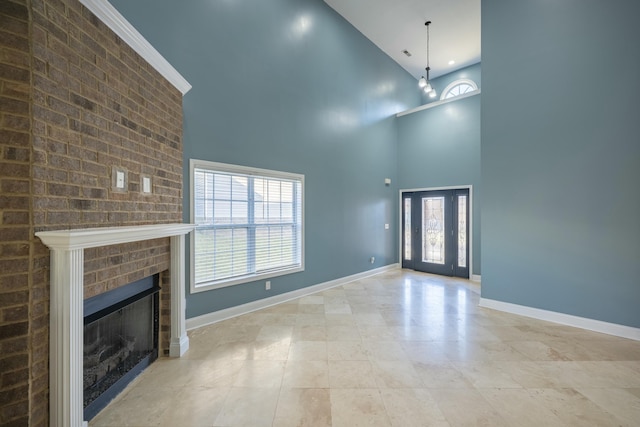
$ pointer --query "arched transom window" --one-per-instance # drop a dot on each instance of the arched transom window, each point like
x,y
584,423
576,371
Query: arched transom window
x,y
458,87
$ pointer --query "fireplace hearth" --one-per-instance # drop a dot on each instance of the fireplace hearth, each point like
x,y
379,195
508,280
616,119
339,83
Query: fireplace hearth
x,y
120,340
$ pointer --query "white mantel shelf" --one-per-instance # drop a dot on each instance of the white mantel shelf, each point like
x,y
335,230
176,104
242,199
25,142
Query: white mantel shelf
x,y
105,236
67,306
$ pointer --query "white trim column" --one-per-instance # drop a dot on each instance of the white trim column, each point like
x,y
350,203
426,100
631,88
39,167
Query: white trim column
x,y
67,306
179,340
66,337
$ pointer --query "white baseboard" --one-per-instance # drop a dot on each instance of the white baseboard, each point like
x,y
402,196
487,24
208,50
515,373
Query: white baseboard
x,y
564,319
476,278
227,313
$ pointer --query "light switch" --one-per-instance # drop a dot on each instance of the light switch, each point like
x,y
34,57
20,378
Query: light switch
x,y
146,185
119,179
386,226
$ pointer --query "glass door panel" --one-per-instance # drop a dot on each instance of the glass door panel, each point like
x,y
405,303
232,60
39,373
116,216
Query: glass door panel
x,y
462,230
433,238
407,231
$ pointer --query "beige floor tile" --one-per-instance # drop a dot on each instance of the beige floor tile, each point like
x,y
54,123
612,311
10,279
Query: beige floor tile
x,y
166,371
334,292
310,333
472,332
279,319
466,407
343,333
213,373
351,374
346,350
358,408
306,374
370,319
613,349
376,333
486,374
532,374
395,374
573,408
311,309
624,406
598,374
436,375
306,407
397,349
340,319
249,407
385,350
264,350
464,351
312,299
337,309
634,391
310,319
274,333
536,350
137,406
260,374
194,407
308,350
334,298
412,408
240,334
432,351
517,408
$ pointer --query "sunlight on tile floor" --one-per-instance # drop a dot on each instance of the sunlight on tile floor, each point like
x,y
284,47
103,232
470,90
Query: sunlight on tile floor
x,y
398,349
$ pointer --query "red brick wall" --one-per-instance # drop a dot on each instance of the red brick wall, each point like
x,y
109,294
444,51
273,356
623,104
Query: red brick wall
x,y
76,101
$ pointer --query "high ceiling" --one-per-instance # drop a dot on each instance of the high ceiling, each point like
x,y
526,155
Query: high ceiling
x,y
398,25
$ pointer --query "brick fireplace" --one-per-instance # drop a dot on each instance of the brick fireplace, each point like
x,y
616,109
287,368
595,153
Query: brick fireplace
x,y
67,295
80,104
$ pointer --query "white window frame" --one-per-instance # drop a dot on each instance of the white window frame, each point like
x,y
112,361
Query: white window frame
x,y
455,83
244,170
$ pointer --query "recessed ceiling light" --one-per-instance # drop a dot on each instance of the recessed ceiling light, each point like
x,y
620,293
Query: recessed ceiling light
x,y
452,62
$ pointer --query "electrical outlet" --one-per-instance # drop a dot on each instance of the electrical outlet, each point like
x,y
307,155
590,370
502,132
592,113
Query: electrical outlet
x,y
267,285
372,259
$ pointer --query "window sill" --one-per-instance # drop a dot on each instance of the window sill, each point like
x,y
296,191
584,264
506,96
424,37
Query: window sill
x,y
209,286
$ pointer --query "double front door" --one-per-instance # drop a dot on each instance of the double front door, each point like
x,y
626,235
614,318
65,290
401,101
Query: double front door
x,y
435,231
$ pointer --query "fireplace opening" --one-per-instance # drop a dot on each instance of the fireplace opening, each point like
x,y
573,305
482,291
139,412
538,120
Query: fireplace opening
x,y
120,340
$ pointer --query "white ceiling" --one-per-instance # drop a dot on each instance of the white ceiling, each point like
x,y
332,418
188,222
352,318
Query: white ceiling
x,y
396,25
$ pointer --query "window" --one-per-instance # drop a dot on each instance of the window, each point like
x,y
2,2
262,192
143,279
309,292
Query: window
x,y
249,224
458,87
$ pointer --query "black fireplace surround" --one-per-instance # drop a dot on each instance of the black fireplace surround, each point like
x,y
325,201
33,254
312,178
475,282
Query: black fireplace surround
x,y
120,340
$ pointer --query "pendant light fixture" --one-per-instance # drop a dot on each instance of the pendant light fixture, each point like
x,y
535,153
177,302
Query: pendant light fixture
x,y
424,83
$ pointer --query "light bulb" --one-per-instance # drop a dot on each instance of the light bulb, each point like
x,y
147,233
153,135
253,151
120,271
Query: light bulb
x,y
428,88
432,94
422,82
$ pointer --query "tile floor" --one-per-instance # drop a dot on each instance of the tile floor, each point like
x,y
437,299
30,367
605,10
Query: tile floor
x,y
398,349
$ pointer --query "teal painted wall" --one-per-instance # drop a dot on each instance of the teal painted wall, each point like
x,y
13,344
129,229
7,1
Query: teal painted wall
x,y
561,156
290,85
440,147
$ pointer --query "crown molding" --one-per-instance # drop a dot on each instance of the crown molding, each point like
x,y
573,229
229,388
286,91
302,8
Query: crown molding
x,y
113,19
